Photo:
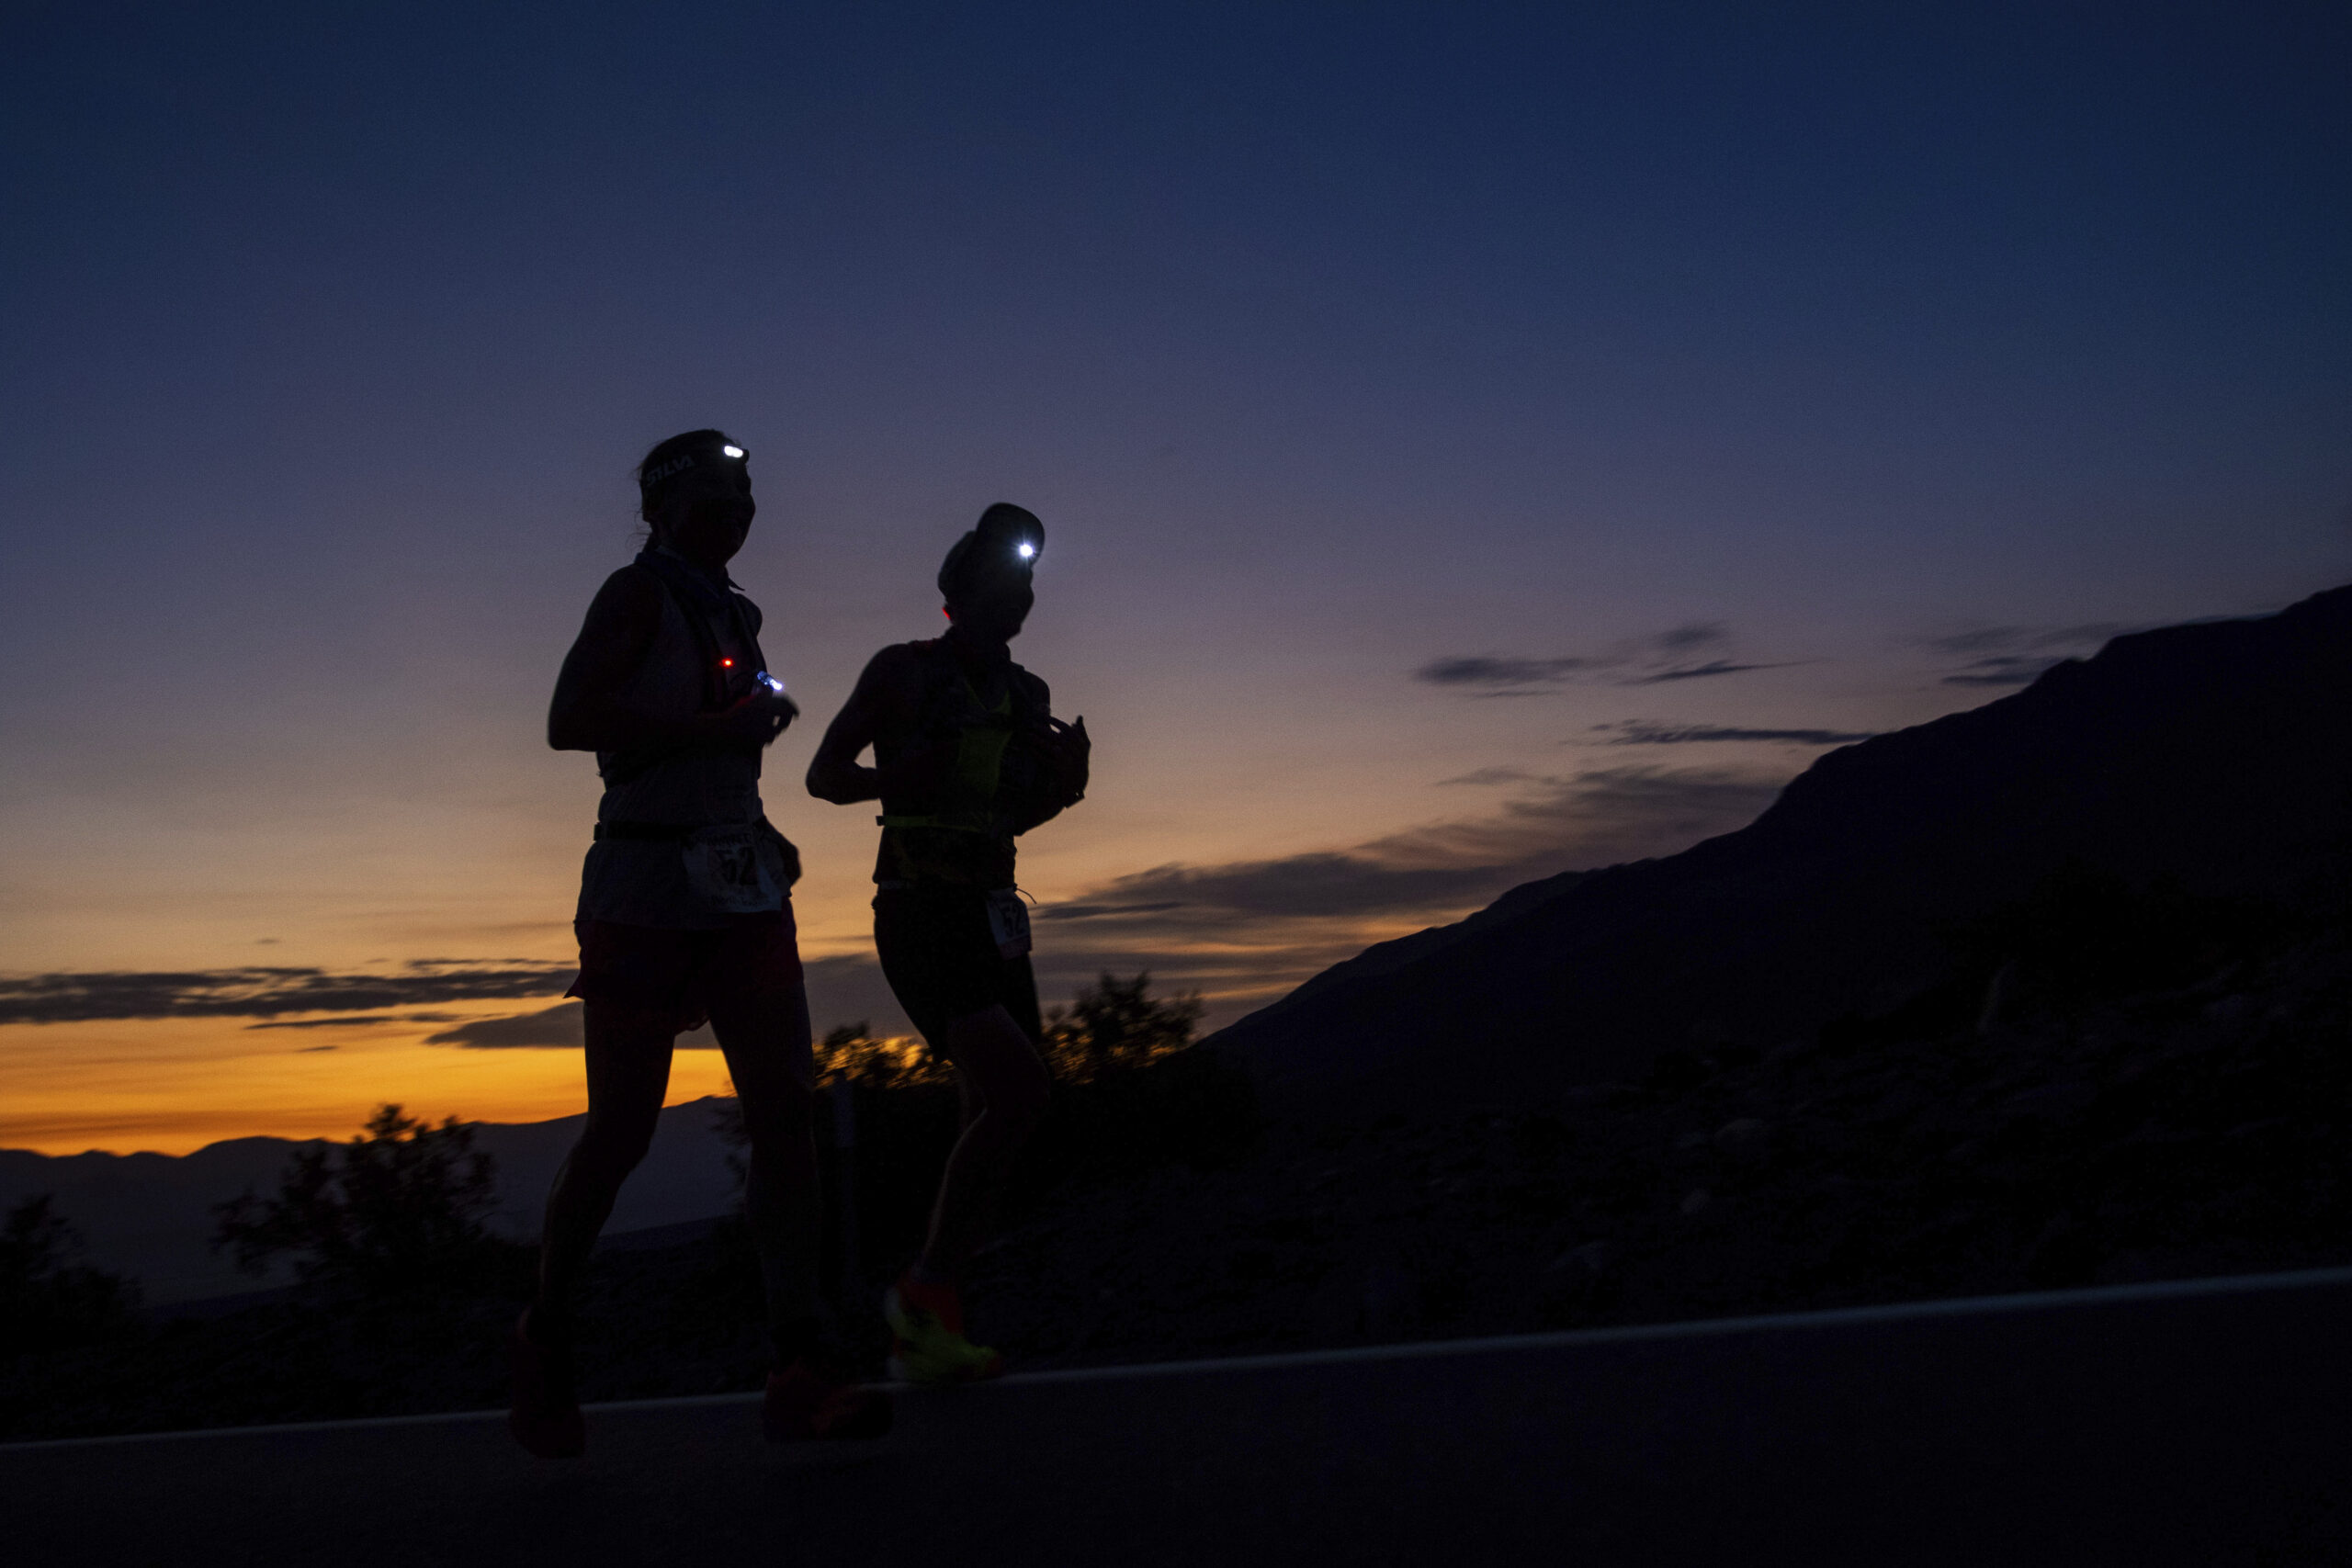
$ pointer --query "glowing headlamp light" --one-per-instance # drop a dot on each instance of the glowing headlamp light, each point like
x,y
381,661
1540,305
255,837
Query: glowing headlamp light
x,y
730,451
1025,550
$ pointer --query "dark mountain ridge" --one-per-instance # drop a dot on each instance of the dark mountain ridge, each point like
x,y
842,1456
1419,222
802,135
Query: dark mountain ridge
x,y
2212,756
150,1217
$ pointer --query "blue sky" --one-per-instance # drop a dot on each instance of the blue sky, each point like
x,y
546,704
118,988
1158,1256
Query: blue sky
x,y
1831,362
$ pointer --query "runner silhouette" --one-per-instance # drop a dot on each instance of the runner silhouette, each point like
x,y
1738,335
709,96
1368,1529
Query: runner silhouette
x,y
685,915
967,757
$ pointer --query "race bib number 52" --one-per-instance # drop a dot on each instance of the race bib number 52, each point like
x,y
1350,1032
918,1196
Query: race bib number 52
x,y
1009,923
723,868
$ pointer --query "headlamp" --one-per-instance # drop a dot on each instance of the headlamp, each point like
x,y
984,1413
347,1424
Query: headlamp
x,y
682,462
1025,550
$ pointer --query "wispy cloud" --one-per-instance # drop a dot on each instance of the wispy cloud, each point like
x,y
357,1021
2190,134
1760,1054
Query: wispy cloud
x,y
556,1026
1490,671
1596,817
1641,662
1699,672
1689,635
1636,732
2016,656
1325,883
2007,669
74,996
2002,640
1497,776
1097,912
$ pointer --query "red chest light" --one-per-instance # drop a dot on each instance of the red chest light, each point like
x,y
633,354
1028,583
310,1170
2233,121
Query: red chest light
x,y
726,664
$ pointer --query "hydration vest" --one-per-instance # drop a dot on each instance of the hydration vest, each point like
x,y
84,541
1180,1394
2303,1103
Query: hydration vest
x,y
726,678
966,835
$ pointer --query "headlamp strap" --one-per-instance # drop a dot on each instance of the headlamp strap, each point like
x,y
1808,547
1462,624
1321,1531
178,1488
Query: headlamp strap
x,y
680,464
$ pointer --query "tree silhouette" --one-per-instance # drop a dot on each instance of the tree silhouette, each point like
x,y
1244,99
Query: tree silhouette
x,y
1118,1025
47,1301
399,1207
854,1054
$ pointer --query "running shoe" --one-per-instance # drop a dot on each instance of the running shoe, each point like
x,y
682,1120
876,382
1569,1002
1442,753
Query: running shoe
x,y
814,1398
927,1328
546,1416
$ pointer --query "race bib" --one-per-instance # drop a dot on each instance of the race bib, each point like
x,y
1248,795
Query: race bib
x,y
723,868
1009,923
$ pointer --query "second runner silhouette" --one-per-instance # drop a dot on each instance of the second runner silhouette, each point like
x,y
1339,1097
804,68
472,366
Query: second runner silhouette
x,y
967,757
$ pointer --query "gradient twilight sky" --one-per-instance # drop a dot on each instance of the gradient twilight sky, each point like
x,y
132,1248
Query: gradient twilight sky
x,y
1476,441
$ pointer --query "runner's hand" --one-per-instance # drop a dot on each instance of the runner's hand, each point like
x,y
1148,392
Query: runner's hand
x,y
1072,752
757,720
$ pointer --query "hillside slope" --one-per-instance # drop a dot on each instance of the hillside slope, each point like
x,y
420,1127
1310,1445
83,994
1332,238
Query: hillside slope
x,y
2216,754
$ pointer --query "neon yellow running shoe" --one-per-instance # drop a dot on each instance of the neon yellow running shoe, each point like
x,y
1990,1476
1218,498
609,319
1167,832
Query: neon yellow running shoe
x,y
927,1328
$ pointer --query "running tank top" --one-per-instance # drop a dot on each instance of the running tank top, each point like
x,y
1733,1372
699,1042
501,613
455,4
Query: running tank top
x,y
644,882
964,836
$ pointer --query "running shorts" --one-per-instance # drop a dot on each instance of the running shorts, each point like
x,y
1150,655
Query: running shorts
x,y
942,960
659,968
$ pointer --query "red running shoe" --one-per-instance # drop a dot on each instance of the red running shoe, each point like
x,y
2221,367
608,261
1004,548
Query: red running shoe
x,y
546,1416
812,1399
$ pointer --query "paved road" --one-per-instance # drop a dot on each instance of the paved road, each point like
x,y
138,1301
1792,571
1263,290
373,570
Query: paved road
x,y
2209,1424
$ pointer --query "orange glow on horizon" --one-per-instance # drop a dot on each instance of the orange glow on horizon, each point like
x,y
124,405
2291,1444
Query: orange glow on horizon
x,y
171,1086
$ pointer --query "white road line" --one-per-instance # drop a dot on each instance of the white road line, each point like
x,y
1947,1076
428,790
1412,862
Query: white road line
x,y
1716,1328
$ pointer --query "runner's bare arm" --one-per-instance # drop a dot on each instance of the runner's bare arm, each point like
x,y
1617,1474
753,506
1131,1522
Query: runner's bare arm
x,y
587,714
883,703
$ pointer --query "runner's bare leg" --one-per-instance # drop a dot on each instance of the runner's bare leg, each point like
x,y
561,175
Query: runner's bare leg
x,y
767,1042
1003,1076
628,1072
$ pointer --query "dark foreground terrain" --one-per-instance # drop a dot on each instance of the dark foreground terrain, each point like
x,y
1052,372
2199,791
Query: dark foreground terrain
x,y
2167,1133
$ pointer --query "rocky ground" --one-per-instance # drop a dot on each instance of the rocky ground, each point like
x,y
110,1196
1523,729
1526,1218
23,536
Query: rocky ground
x,y
2161,1134
2055,1138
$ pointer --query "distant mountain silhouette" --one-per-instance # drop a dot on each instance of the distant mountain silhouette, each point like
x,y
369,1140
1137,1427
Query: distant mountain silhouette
x,y
150,1215
2215,755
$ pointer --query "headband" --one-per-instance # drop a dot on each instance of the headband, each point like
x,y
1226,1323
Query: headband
x,y
681,463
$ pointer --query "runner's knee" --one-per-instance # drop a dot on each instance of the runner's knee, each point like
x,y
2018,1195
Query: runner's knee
x,y
609,1149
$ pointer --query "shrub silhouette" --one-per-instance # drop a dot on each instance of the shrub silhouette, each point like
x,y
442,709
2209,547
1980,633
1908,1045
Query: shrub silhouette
x,y
398,1208
1131,1094
1131,1091
1116,1025
46,1300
